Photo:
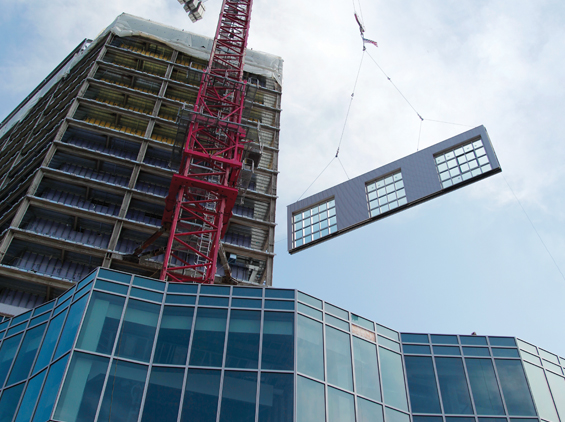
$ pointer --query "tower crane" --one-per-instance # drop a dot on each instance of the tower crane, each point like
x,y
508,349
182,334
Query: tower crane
x,y
212,147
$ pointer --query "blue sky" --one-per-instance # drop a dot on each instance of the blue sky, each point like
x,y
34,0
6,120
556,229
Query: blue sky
x,y
469,261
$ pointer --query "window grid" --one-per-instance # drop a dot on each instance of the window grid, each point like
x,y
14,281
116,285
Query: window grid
x,y
385,194
314,223
462,163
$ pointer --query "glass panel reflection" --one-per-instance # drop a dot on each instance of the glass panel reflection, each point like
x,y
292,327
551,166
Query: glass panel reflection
x,y
71,326
238,397
276,397
557,385
310,401
26,354
82,388
484,387
138,330
396,416
30,397
9,402
338,353
163,395
124,389
541,393
101,322
366,369
7,353
310,352
367,411
422,384
174,335
243,339
394,390
209,335
515,388
453,386
278,341
50,390
340,406
201,396
49,342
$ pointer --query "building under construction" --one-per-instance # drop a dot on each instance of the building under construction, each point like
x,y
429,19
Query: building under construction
x,y
87,159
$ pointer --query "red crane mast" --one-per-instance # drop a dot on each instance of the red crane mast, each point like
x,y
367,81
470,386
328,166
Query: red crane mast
x,y
202,195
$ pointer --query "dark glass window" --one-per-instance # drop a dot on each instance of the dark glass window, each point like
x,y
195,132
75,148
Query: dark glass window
x,y
182,288
71,326
50,389
484,387
279,304
7,353
246,303
100,324
82,388
208,340
414,338
515,388
367,411
243,339
366,369
111,287
278,341
416,348
447,350
492,419
214,290
474,340
238,397
48,345
476,351
163,395
505,353
213,301
174,335
427,419
30,397
280,294
443,339
453,386
122,396
201,396
422,384
310,353
276,397
26,354
138,330
9,401
338,354
502,341
248,292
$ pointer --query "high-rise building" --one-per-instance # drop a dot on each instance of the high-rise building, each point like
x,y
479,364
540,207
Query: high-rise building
x,y
86,162
119,347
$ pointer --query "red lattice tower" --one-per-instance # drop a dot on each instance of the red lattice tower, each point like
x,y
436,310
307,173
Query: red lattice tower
x,y
203,193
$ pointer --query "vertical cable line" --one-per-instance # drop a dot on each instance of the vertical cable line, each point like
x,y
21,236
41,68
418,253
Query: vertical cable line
x,y
534,227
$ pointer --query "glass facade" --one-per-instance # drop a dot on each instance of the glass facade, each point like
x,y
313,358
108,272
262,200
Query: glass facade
x,y
120,347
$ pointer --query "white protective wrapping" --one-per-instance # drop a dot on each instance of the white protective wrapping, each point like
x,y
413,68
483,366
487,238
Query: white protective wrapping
x,y
126,25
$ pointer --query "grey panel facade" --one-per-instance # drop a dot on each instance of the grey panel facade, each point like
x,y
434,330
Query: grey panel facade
x,y
419,173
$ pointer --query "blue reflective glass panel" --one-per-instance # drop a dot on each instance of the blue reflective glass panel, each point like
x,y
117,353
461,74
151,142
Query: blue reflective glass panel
x,y
71,326
337,322
111,287
22,317
100,324
113,275
65,295
40,309
461,419
394,390
476,351
174,335
26,354
201,396
209,335
238,397
246,303
39,319
396,416
312,301
453,386
515,388
279,304
30,397
182,288
484,387
414,338
138,330
50,390
214,290
243,339
279,293
213,301
366,369
82,388
180,299
427,419
338,353
276,399
416,348
310,401
149,283
314,313
49,342
163,395
146,294
502,341
422,384
341,407
505,353
7,353
9,401
16,329
367,411
278,341
247,292
443,339
447,350
310,352
474,340
122,396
